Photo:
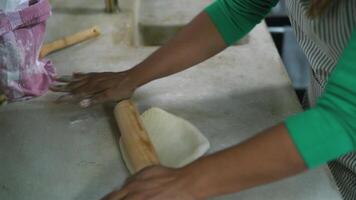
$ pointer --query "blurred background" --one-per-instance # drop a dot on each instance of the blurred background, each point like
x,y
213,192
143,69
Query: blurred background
x,y
293,57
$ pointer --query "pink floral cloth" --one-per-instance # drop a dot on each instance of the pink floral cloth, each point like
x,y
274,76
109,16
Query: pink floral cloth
x,y
22,74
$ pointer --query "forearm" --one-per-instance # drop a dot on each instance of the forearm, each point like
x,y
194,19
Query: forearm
x,y
267,157
196,42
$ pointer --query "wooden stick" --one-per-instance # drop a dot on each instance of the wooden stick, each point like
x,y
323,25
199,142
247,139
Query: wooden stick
x,y
140,151
70,40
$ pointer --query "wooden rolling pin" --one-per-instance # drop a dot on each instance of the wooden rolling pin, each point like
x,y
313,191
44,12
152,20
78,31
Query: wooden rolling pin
x,y
140,151
69,40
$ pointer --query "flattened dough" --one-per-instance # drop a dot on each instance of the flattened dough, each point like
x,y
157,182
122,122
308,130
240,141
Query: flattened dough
x,y
176,141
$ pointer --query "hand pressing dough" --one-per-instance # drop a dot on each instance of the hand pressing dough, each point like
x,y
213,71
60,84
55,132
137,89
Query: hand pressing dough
x,y
177,142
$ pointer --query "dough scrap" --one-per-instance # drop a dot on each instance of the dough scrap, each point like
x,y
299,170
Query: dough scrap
x,y
177,142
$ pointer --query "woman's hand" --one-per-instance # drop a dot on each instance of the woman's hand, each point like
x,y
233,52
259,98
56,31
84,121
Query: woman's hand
x,y
93,88
196,42
156,183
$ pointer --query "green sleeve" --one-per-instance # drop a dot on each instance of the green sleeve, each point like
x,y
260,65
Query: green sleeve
x,y
328,130
235,18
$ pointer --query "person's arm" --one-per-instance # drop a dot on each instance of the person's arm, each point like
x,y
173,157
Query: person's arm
x,y
220,25
196,42
328,130
267,157
306,140
311,138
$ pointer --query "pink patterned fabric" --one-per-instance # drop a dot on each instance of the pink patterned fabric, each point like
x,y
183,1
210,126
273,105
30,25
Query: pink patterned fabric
x,y
22,74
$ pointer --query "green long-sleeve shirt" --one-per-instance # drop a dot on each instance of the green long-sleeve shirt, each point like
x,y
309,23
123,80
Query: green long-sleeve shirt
x,y
325,131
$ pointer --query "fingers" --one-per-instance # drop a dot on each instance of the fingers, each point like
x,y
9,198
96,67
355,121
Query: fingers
x,y
67,83
64,79
108,95
79,90
138,196
98,98
71,78
95,88
146,174
78,75
85,90
87,101
59,88
75,86
116,195
80,85
136,177
144,185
